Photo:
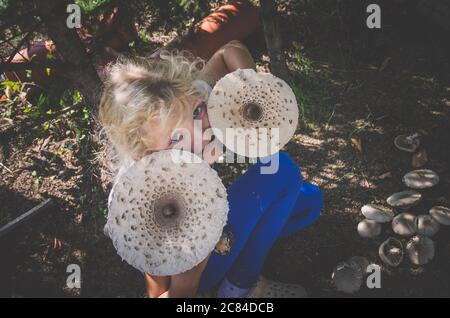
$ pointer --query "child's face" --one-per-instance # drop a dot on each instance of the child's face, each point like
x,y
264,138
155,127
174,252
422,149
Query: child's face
x,y
167,136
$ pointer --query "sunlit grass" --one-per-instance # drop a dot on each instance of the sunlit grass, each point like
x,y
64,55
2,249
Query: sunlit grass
x,y
311,86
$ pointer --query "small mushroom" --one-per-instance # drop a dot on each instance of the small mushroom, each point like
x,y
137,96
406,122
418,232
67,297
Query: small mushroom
x,y
347,277
361,261
426,225
421,179
377,213
404,199
420,250
407,142
369,229
441,214
261,108
391,252
405,224
155,224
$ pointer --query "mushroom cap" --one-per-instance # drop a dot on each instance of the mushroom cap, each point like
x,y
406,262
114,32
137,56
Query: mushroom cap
x,y
361,261
377,213
405,198
420,249
369,228
421,179
405,224
441,214
391,252
407,142
166,213
427,225
347,277
253,104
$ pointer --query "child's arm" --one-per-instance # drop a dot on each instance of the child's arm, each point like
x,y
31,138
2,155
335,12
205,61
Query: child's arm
x,y
228,58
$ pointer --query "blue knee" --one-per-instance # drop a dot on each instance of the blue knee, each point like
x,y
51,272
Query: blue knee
x,y
313,201
282,166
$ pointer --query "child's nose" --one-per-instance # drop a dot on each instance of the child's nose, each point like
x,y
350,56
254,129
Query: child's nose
x,y
206,123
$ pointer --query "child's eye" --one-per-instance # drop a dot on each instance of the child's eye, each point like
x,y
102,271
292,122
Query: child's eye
x,y
198,111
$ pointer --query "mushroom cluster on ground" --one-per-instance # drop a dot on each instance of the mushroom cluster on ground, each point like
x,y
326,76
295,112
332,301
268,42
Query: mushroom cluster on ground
x,y
414,230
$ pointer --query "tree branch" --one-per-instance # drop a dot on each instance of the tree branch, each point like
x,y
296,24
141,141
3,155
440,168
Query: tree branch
x,y
274,43
69,46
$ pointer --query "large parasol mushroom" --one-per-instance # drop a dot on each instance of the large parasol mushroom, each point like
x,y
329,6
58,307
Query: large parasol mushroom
x,y
166,213
258,111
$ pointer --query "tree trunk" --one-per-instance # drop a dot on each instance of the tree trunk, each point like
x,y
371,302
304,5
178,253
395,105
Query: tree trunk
x,y
82,74
274,43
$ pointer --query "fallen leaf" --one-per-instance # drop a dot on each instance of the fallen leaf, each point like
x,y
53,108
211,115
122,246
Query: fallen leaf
x,y
356,141
384,176
419,159
57,244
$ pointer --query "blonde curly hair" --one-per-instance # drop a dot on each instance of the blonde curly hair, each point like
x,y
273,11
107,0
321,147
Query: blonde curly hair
x,y
138,89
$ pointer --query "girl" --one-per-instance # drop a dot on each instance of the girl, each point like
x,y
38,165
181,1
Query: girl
x,y
144,103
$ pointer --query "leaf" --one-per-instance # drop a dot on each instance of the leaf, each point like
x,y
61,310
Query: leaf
x,y
57,244
357,143
419,159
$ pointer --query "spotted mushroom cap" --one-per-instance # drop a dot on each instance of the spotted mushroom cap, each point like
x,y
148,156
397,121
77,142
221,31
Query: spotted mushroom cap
x,y
441,214
427,225
166,213
405,224
391,252
421,179
253,104
420,250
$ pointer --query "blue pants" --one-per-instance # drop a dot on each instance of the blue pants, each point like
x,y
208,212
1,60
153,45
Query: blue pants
x,y
263,208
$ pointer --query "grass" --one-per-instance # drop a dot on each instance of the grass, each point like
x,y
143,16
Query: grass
x,y
311,85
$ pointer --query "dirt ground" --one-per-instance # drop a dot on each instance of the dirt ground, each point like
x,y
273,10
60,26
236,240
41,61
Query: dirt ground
x,y
356,84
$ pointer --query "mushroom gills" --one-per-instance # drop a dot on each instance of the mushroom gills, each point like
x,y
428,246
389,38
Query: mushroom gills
x,y
391,252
